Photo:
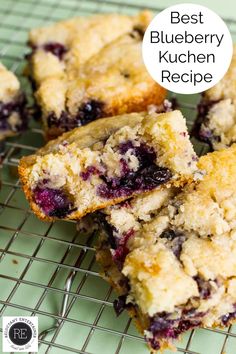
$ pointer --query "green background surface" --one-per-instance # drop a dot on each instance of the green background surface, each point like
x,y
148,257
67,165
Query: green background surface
x,y
36,257
225,8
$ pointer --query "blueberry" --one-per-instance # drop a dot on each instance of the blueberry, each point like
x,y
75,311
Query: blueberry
x,y
169,234
201,128
53,202
164,327
56,49
204,287
205,133
87,112
226,319
18,106
142,180
154,343
90,111
147,177
64,121
152,176
120,304
177,244
90,170
122,250
144,153
109,229
125,146
175,240
124,167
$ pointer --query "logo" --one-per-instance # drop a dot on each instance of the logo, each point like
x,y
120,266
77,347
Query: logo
x,y
20,334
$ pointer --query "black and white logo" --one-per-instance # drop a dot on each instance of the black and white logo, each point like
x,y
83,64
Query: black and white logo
x,y
20,334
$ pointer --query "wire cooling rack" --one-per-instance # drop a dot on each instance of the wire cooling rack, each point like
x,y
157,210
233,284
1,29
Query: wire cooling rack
x,y
49,270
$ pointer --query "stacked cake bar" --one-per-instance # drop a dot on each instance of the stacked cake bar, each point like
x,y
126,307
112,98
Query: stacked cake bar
x,y
171,254
87,68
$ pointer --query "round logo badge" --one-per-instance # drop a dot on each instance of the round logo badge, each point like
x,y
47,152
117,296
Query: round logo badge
x,y
20,334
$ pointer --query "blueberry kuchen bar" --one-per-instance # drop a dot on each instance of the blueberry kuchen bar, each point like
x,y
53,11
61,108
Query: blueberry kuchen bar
x,y
90,67
106,162
13,115
171,254
216,122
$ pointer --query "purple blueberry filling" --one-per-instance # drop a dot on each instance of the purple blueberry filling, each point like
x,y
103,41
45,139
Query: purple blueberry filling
x,y
175,240
143,180
117,243
226,319
90,170
163,327
109,229
147,177
87,112
64,122
53,202
121,250
201,128
90,111
204,287
144,153
56,49
18,106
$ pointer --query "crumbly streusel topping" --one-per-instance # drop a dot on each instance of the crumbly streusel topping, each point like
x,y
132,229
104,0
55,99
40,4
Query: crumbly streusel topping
x,y
179,246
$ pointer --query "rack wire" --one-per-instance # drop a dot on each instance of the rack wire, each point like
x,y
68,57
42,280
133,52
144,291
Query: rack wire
x,y
49,270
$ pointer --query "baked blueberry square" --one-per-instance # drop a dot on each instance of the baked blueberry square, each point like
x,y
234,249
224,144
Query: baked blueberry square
x,y
106,162
87,68
171,253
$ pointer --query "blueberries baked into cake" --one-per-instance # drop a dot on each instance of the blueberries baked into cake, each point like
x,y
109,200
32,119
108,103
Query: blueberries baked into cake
x,y
171,254
106,162
13,113
88,68
216,122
